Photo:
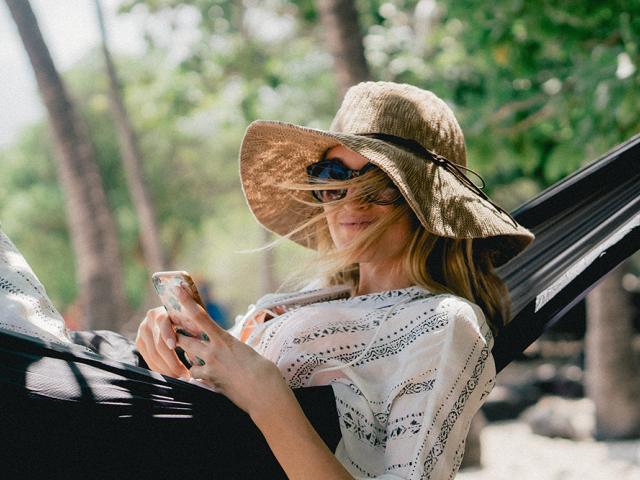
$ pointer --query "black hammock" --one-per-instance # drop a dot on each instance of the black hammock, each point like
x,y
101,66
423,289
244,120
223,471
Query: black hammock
x,y
124,420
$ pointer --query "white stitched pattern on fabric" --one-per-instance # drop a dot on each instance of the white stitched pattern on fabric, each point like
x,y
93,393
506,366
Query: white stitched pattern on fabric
x,y
368,347
25,307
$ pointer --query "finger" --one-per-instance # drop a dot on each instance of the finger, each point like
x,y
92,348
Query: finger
x,y
143,345
158,318
194,314
149,346
197,349
166,354
168,323
200,372
154,361
166,332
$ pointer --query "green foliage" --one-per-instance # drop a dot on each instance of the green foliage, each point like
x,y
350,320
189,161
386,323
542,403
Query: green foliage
x,y
540,88
32,211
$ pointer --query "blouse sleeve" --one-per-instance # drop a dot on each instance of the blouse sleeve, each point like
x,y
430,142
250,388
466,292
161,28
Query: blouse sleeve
x,y
426,430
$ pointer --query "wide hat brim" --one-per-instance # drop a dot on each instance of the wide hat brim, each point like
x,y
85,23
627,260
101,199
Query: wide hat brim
x,y
276,153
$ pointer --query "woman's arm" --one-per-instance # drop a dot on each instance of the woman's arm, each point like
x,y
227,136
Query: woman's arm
x,y
293,440
256,385
430,416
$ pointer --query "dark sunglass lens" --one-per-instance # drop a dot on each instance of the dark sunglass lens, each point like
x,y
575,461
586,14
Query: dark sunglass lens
x,y
386,196
333,169
314,171
368,168
329,170
325,196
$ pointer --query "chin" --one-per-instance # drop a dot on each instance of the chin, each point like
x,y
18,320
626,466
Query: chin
x,y
364,257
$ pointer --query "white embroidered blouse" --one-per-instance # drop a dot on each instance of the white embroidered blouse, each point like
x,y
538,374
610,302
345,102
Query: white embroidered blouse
x,y
409,369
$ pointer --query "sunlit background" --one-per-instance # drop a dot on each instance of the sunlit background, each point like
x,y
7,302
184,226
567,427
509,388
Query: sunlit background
x,y
540,88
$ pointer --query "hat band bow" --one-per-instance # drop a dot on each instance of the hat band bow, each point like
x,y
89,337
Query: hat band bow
x,y
456,170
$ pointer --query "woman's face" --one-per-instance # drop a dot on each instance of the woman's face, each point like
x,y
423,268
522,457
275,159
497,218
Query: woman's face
x,y
349,219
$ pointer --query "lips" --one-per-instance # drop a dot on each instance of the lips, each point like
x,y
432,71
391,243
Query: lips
x,y
355,223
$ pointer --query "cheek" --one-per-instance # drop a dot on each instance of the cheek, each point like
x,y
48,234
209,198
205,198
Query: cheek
x,y
332,222
330,215
398,235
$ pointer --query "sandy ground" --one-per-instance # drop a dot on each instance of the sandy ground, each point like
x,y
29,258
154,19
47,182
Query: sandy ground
x,y
510,451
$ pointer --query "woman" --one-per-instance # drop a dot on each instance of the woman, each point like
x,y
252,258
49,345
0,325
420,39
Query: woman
x,y
383,199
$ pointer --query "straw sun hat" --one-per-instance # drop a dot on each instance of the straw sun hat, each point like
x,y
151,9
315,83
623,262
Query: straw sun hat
x,y
410,134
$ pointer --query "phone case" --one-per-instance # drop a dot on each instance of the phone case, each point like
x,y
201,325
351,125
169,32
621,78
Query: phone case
x,y
164,282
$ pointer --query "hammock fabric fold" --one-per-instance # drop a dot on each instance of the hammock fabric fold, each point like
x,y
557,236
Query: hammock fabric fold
x,y
67,414
111,418
585,226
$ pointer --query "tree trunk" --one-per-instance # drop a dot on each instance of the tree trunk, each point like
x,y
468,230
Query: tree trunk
x,y
344,40
266,267
152,250
612,370
91,225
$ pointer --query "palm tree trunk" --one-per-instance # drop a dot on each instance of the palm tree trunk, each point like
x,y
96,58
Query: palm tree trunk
x,y
91,225
613,382
152,250
344,40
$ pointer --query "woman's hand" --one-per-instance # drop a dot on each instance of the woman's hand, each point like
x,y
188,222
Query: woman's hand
x,y
256,386
233,368
156,342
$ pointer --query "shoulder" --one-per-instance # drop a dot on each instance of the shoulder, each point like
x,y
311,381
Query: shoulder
x,y
456,313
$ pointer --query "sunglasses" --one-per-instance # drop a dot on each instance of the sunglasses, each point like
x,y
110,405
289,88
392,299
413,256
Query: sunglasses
x,y
329,170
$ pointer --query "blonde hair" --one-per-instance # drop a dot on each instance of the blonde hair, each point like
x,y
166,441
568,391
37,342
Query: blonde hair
x,y
438,264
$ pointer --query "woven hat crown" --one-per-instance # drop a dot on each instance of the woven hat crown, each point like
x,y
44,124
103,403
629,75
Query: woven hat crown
x,y
403,111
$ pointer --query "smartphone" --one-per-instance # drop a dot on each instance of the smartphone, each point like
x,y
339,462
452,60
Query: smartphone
x,y
164,282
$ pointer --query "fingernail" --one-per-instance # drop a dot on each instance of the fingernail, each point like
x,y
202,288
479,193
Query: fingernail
x,y
201,362
171,343
204,337
183,332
